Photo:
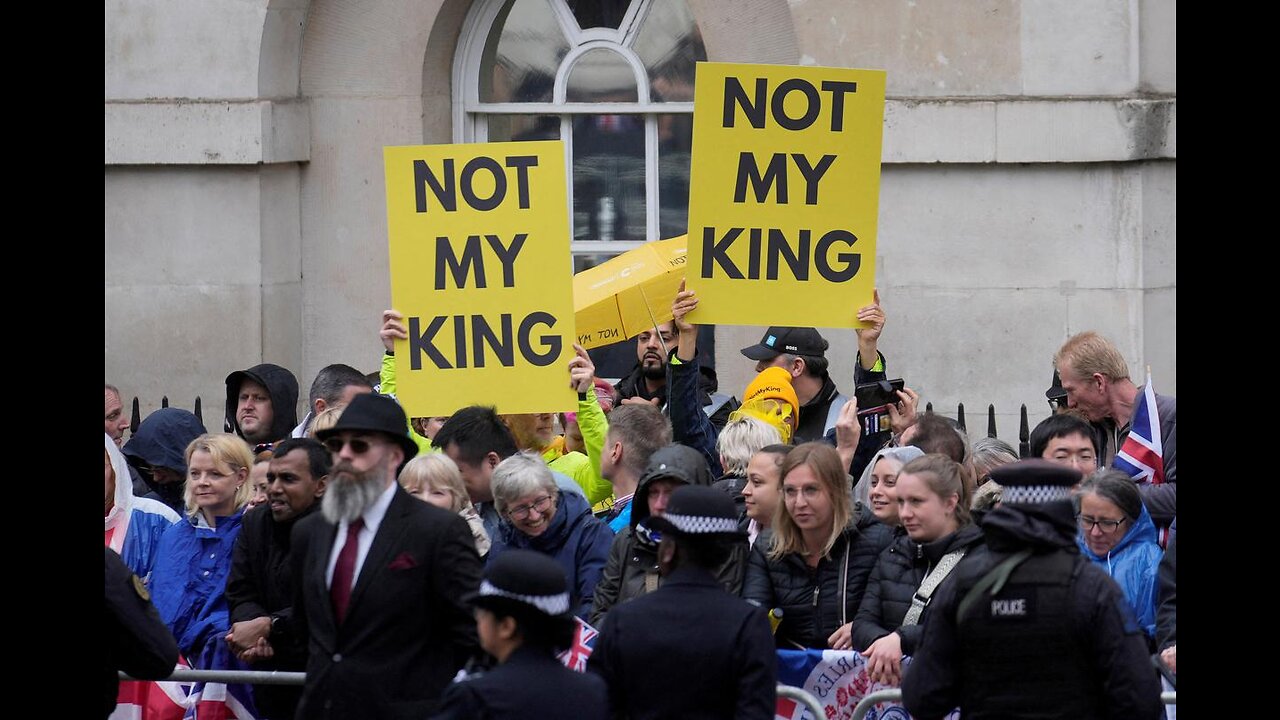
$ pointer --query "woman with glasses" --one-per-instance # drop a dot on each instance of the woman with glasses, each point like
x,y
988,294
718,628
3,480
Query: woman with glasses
x,y
537,516
815,566
1117,534
933,510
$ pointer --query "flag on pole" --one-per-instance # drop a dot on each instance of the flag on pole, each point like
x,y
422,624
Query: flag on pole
x,y
1141,456
584,641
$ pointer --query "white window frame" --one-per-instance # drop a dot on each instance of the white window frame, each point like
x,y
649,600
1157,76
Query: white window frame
x,y
469,112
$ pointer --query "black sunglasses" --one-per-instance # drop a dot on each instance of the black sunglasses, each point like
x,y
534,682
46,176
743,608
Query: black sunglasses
x,y
359,446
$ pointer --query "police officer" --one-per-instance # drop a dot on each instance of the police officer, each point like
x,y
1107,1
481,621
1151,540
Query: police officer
x,y
689,649
523,618
137,640
1028,627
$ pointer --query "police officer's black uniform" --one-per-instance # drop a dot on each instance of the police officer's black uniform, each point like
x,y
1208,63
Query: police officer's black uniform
x,y
137,640
1029,628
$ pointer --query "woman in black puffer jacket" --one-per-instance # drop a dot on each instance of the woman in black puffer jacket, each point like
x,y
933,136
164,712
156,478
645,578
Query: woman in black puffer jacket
x,y
815,565
934,513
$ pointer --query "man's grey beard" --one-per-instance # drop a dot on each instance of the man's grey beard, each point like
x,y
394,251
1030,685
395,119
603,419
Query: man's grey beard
x,y
350,493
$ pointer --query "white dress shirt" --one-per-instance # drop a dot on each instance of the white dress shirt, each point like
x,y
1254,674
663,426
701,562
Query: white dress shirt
x,y
364,539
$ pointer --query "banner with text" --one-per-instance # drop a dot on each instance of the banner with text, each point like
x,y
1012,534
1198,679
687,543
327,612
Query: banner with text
x,y
784,189
480,268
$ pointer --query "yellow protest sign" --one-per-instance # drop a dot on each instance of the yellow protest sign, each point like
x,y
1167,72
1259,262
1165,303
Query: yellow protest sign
x,y
784,186
480,268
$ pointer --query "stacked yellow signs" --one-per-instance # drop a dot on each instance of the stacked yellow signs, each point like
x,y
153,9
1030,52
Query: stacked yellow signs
x,y
619,298
479,244
784,189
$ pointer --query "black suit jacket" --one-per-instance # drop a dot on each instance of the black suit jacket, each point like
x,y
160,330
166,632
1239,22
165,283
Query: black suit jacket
x,y
408,628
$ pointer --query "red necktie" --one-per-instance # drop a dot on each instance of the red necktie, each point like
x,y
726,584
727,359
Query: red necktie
x,y
344,571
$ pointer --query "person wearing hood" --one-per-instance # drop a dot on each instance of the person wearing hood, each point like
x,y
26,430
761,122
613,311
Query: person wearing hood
x,y
815,565
133,524
262,404
1027,627
1117,534
937,533
538,516
158,451
632,569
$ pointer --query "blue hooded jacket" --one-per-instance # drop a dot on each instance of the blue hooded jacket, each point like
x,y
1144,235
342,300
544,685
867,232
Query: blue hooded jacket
x,y
1132,563
575,538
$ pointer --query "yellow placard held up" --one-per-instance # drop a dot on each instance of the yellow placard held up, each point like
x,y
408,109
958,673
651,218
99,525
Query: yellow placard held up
x,y
784,186
481,271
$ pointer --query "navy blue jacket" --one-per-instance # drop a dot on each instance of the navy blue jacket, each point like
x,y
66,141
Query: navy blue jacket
x,y
576,538
531,683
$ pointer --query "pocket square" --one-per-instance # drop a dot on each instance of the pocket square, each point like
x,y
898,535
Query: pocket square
x,y
403,561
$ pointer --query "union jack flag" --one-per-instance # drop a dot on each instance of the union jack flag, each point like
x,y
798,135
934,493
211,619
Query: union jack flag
x,y
584,641
1141,456
173,700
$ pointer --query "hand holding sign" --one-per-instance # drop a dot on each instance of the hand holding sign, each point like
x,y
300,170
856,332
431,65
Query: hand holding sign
x,y
582,372
392,329
869,336
873,316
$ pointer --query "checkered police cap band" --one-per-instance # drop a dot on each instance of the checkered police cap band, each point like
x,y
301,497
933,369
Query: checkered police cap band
x,y
1034,494
549,604
699,524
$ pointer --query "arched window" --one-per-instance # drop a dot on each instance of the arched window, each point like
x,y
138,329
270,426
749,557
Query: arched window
x,y
614,80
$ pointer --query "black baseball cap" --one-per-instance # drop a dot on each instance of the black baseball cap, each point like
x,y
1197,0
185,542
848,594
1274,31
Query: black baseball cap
x,y
793,340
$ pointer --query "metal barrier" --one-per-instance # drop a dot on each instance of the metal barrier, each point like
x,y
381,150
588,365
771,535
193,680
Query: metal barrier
x,y
879,696
248,677
277,677
870,700
809,701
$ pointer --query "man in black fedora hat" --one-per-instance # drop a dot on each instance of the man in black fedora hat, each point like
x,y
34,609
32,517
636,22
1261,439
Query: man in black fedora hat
x,y
1027,627
523,618
692,623
382,579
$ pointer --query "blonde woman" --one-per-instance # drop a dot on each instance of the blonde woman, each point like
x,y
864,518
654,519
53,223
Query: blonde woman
x,y
194,556
815,566
435,479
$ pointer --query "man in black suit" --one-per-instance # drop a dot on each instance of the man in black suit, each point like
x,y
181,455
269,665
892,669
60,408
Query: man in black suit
x,y
382,579
721,644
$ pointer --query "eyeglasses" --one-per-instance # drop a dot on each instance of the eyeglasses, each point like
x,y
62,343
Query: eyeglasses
x,y
264,447
521,512
359,446
1107,526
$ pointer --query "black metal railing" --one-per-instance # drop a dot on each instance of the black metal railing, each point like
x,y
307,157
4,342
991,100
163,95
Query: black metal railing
x,y
1024,432
136,417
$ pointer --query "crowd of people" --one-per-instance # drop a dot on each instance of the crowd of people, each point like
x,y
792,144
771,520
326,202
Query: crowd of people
x,y
435,566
